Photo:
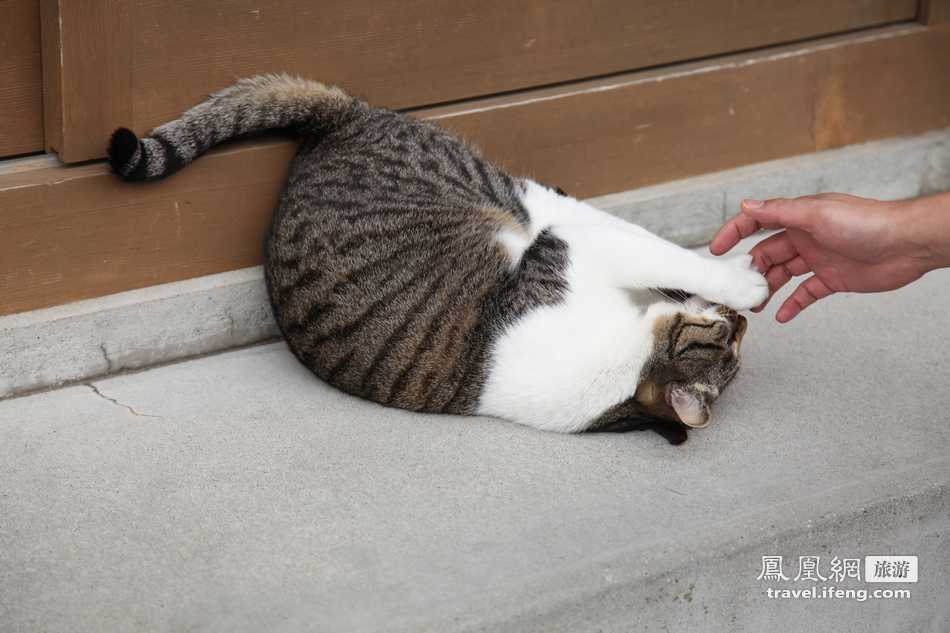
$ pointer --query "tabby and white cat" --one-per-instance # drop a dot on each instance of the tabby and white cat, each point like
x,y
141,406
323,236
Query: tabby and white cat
x,y
406,269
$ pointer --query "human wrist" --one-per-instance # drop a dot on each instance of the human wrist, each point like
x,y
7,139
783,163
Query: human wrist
x,y
925,229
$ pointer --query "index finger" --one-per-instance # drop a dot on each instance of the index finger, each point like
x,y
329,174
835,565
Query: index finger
x,y
776,213
739,227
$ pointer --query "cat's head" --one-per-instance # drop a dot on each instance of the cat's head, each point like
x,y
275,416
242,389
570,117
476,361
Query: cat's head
x,y
695,355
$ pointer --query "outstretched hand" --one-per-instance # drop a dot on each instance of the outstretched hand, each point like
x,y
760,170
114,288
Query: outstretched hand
x,y
848,244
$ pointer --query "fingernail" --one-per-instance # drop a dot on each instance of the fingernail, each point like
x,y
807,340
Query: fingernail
x,y
752,204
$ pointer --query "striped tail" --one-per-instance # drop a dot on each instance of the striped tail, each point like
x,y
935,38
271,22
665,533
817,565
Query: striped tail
x,y
252,105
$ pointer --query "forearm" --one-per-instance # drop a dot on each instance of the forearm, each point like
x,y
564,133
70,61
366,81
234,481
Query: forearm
x,y
927,231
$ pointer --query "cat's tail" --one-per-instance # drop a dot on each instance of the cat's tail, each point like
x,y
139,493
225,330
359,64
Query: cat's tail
x,y
252,105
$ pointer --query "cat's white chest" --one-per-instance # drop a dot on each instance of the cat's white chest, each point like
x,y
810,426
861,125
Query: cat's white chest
x,y
562,366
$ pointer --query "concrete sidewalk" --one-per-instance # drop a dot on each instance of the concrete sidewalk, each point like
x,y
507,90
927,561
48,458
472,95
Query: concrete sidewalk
x,y
239,493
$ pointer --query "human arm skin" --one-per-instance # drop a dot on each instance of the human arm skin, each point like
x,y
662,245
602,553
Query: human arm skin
x,y
849,244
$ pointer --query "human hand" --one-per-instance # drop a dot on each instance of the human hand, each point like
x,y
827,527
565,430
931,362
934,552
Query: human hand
x,y
849,244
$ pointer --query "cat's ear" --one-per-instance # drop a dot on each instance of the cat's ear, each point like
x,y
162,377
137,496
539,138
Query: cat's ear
x,y
690,406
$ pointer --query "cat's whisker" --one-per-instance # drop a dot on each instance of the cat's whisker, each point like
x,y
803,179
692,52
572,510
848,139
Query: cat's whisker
x,y
666,295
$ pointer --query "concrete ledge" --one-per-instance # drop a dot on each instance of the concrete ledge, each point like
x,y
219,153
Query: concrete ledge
x,y
690,211
132,330
139,328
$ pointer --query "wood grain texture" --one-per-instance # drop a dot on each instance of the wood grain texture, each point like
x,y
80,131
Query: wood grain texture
x,y
87,74
72,233
609,135
934,11
68,233
52,75
408,53
21,78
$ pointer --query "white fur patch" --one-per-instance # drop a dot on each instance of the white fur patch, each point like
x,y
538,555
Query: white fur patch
x,y
561,367
515,244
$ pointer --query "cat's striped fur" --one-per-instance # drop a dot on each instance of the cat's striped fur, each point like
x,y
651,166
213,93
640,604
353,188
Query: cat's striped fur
x,y
400,261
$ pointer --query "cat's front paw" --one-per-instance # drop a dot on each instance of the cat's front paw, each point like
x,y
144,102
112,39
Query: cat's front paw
x,y
741,286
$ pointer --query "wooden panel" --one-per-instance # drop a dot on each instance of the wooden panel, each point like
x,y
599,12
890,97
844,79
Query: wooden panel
x,y
87,74
68,233
934,11
625,132
400,53
21,80
52,75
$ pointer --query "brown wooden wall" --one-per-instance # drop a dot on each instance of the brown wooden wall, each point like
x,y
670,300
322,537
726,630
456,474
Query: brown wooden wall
x,y
21,78
934,11
141,62
626,94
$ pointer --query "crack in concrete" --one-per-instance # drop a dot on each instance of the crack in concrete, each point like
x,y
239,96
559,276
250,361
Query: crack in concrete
x,y
105,355
96,391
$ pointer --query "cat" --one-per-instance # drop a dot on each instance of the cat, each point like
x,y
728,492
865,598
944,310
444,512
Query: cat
x,y
405,268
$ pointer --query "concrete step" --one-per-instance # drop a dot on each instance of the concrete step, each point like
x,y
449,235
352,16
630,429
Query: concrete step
x,y
237,492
